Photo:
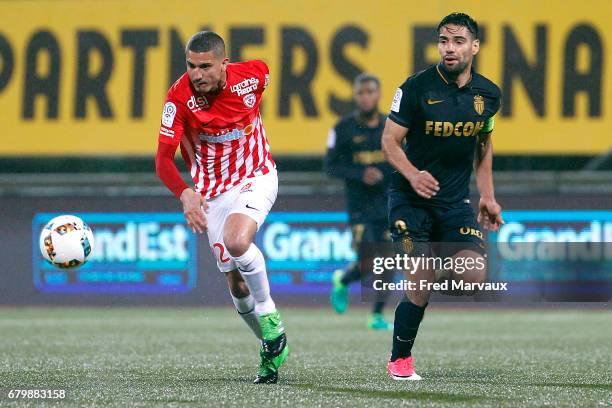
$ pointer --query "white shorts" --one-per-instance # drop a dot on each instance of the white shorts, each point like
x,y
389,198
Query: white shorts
x,y
253,197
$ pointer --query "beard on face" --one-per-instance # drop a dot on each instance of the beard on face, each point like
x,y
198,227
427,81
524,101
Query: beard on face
x,y
458,68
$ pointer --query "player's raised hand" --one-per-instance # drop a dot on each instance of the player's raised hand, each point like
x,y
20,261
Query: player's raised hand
x,y
424,184
489,214
194,208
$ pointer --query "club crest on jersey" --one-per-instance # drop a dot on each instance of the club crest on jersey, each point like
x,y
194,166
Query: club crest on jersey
x,y
407,244
401,229
479,104
199,103
249,100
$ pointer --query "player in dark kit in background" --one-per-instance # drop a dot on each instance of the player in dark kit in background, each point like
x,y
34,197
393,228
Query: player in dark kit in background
x,y
445,114
354,154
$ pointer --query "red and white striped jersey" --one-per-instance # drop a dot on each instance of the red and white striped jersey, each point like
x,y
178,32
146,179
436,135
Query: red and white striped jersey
x,y
222,137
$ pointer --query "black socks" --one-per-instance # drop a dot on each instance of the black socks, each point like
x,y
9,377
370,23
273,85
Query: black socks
x,y
408,316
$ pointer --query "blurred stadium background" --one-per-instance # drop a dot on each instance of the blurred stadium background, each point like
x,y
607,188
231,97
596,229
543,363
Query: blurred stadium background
x,y
81,90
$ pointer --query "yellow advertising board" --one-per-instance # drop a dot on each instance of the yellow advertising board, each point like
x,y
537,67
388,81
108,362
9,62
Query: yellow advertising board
x,y
90,77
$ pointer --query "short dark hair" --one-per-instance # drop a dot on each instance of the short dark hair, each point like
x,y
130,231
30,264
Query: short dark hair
x,y
205,41
460,19
366,77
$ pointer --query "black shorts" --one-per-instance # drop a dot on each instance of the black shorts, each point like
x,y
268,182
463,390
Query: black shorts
x,y
456,223
371,238
369,232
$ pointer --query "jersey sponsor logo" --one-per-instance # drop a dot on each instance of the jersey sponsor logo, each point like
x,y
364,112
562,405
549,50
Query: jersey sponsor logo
x,y
229,135
368,157
197,103
479,104
446,129
249,100
245,87
359,139
470,231
434,101
168,114
397,100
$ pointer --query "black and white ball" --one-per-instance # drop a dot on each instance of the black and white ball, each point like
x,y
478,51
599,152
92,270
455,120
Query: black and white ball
x,y
66,242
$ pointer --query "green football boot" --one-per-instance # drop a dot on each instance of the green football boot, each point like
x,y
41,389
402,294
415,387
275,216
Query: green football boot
x,y
377,322
272,333
340,295
268,366
274,348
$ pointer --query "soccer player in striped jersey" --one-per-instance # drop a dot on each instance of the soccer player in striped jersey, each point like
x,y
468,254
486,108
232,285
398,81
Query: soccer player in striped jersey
x,y
212,112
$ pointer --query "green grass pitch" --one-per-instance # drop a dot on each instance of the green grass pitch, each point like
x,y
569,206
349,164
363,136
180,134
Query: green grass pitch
x,y
162,357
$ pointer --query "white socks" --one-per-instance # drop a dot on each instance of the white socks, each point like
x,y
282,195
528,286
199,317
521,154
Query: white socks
x,y
246,309
252,267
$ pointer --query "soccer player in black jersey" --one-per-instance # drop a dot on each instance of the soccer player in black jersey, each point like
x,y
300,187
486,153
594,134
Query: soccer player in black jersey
x,y
354,154
445,115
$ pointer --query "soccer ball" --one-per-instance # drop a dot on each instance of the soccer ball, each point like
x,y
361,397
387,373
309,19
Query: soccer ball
x,y
66,242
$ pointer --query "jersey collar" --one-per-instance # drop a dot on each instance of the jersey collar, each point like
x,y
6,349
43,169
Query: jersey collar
x,y
441,75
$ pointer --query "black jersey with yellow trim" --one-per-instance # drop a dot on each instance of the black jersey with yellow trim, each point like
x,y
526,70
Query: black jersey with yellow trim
x,y
444,122
352,146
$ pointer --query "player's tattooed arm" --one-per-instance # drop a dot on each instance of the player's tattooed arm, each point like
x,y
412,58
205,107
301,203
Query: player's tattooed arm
x,y
483,146
483,164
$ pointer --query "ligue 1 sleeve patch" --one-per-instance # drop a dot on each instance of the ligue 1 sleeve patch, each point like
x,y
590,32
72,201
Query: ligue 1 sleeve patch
x,y
168,114
331,139
397,100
